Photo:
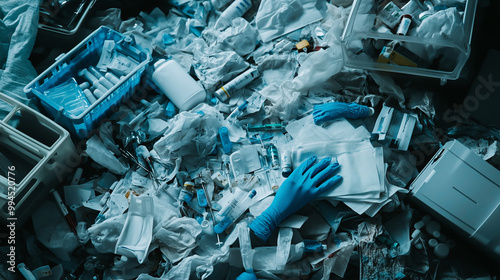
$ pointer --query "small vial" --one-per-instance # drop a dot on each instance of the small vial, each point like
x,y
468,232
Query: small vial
x,y
416,234
112,78
234,211
286,163
419,225
206,227
202,199
90,96
98,92
226,91
186,194
105,83
433,242
404,24
227,145
273,153
102,80
84,85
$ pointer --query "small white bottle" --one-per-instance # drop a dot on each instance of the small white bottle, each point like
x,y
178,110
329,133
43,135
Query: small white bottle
x,y
177,84
226,91
237,9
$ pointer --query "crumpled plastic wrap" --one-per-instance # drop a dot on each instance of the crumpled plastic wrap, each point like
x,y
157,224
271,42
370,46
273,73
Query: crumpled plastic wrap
x,y
104,236
53,232
445,25
110,18
18,26
190,133
241,37
388,86
218,67
277,18
317,68
102,155
177,237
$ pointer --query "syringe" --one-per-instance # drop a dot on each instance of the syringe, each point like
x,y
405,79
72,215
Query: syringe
x,y
266,127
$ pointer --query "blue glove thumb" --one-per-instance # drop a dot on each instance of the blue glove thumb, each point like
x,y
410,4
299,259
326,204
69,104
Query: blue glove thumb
x,y
334,110
246,276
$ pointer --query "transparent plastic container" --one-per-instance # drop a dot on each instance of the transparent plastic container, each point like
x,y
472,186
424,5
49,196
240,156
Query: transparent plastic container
x,y
37,155
362,43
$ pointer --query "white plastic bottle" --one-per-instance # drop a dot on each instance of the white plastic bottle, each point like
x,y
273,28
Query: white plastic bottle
x,y
237,9
226,91
177,84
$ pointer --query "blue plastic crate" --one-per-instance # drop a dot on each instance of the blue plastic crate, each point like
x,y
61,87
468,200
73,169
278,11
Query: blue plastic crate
x,y
67,66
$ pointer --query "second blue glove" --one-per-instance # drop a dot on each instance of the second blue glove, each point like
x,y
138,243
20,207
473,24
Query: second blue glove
x,y
305,183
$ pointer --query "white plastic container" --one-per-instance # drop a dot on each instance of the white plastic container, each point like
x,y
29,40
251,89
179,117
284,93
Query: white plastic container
x,y
177,84
237,9
38,153
359,31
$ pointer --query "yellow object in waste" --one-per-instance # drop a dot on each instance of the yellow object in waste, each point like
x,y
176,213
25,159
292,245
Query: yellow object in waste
x,y
395,53
302,45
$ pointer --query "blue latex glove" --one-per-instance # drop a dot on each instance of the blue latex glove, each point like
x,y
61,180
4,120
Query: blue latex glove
x,y
334,110
246,276
304,184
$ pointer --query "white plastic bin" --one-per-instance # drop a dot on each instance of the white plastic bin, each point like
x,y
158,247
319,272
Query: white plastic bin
x,y
37,155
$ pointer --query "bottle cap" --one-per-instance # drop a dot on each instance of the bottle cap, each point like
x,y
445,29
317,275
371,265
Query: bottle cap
x,y
424,15
159,62
441,250
433,242
252,194
222,94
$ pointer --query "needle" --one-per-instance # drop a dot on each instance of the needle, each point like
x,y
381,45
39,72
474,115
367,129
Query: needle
x,y
210,209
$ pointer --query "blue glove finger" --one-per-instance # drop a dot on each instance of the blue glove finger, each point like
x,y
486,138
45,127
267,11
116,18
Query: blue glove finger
x,y
356,111
328,184
317,111
319,167
305,166
246,276
326,173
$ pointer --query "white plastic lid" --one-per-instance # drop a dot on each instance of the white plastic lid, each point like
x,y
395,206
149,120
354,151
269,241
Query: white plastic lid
x,y
441,250
159,62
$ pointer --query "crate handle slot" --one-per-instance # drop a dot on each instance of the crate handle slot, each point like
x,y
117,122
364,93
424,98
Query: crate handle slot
x,y
25,144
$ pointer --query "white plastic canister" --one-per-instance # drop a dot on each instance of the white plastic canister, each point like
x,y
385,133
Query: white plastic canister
x,y
177,84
